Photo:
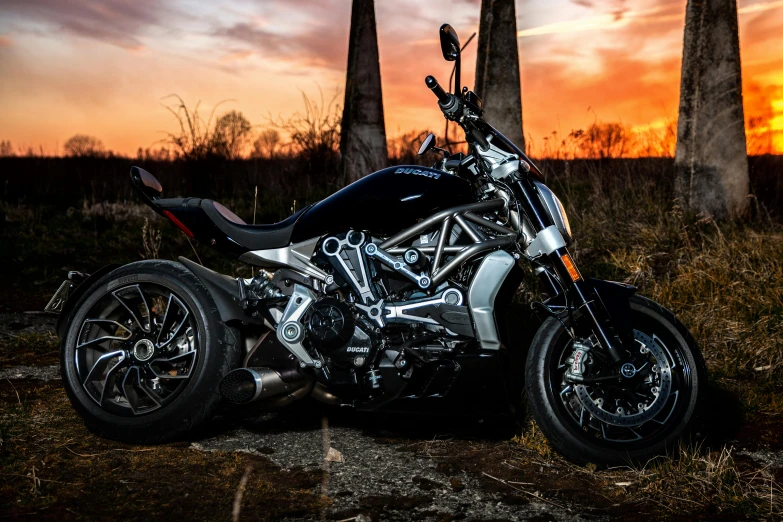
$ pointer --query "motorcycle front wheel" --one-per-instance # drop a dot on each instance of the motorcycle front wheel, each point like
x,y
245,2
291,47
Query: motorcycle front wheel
x,y
145,352
625,421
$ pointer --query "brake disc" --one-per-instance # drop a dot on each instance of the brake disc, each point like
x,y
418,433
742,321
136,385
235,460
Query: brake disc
x,y
662,383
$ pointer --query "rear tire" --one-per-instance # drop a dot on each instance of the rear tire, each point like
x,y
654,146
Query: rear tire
x,y
155,377
584,439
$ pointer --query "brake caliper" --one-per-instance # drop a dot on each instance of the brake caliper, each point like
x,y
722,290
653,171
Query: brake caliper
x,y
578,359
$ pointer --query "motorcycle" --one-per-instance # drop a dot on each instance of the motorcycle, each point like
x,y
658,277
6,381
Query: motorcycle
x,y
396,288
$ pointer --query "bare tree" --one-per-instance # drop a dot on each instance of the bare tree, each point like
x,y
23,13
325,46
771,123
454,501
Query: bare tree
x,y
82,145
316,130
711,159
6,149
267,144
195,139
601,140
232,134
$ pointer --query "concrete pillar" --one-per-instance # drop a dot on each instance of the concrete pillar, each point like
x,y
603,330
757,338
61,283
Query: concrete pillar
x,y
711,161
363,139
497,69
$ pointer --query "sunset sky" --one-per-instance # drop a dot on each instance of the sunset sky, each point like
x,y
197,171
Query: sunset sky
x,y
103,67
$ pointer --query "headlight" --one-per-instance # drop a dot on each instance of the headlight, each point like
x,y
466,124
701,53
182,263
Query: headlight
x,y
556,211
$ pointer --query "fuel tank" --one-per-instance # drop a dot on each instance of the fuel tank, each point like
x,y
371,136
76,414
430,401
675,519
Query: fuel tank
x,y
384,202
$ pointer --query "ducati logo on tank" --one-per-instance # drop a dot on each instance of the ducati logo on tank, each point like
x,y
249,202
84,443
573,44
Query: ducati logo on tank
x,y
417,172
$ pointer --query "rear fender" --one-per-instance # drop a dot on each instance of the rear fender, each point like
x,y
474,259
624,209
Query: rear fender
x,y
224,292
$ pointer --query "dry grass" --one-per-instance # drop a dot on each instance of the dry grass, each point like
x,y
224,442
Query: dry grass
x,y
693,479
29,348
726,284
724,280
52,468
534,440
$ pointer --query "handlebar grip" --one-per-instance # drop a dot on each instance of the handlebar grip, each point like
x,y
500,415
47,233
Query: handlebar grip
x,y
443,96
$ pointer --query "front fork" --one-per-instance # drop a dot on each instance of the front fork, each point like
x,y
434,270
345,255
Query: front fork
x,y
583,296
549,242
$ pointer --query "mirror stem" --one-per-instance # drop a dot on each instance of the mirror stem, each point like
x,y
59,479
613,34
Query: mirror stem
x,y
457,85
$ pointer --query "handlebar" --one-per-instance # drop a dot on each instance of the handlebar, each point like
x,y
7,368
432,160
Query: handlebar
x,y
479,137
450,106
443,97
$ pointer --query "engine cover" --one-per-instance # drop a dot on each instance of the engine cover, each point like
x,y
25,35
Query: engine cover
x,y
356,352
334,331
331,324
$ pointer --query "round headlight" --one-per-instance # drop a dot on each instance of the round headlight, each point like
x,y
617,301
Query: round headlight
x,y
566,225
556,211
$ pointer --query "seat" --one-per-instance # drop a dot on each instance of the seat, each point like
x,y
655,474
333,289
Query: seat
x,y
252,237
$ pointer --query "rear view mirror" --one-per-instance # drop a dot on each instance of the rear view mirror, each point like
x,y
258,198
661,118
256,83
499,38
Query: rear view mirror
x,y
427,144
449,43
147,184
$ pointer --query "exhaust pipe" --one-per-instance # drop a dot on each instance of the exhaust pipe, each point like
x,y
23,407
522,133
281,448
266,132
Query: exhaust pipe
x,y
245,385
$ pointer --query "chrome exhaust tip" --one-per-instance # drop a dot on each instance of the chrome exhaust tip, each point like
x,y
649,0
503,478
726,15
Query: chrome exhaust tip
x,y
245,385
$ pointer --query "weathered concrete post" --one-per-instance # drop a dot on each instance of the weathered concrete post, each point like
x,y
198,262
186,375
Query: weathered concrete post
x,y
363,139
711,161
497,69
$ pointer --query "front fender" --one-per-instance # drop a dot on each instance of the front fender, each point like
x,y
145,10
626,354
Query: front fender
x,y
615,299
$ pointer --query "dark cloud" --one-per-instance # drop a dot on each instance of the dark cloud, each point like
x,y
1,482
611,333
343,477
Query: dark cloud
x,y
320,40
616,8
619,10
322,46
118,22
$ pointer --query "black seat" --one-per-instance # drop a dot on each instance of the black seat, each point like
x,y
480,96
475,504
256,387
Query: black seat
x,y
252,237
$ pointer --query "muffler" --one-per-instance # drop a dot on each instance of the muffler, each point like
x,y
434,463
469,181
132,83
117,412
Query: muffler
x,y
245,385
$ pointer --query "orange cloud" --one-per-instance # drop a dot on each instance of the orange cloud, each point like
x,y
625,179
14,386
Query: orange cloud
x,y
614,61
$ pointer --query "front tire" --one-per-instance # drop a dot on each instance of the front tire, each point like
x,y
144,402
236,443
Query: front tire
x,y
145,352
669,362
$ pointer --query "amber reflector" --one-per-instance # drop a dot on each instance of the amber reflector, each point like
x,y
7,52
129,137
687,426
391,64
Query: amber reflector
x,y
572,271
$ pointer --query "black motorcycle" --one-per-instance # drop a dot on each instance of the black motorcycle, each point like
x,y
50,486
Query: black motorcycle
x,y
393,290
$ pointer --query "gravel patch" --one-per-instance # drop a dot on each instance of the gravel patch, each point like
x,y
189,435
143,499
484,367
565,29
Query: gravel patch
x,y
771,459
377,476
41,373
14,324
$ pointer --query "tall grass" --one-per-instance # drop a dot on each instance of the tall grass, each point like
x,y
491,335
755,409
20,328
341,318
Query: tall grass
x,y
694,478
724,280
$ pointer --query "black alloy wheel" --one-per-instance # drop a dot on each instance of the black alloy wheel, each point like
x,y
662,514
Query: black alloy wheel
x,y
145,352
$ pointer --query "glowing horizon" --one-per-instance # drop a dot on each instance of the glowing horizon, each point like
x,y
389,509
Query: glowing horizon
x,y
78,67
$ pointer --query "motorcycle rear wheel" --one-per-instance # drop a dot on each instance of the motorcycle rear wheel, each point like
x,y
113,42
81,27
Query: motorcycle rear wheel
x,y
145,352
604,431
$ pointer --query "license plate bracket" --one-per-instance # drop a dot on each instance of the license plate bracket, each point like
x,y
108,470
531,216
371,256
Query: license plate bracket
x,y
56,303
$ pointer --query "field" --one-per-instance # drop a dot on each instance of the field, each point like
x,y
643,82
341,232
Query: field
x,y
723,279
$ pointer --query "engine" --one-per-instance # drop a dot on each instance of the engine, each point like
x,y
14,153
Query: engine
x,y
374,319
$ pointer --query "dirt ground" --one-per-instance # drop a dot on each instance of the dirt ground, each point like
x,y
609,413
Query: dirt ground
x,y
316,464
